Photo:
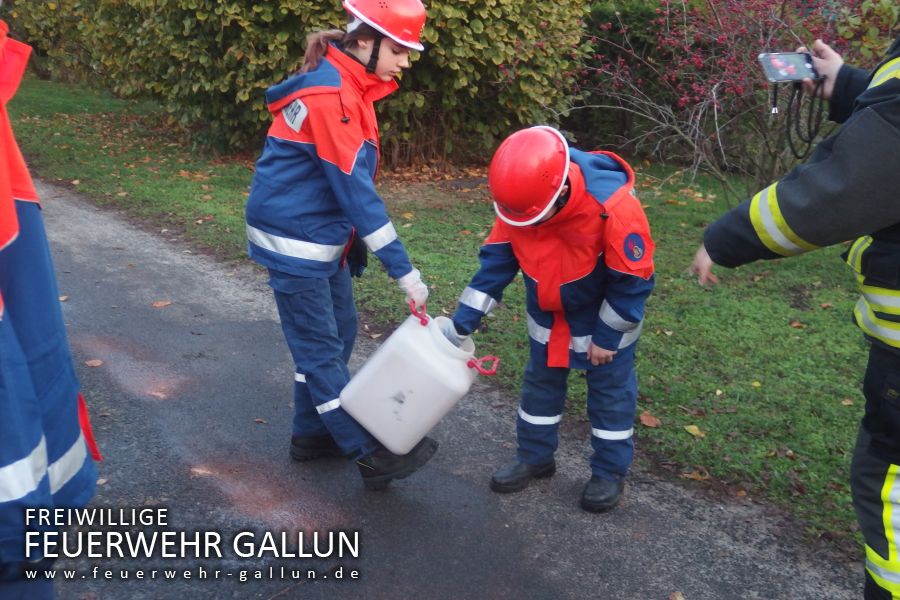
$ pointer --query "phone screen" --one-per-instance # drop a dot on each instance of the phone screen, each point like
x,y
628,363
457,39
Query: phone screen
x,y
788,66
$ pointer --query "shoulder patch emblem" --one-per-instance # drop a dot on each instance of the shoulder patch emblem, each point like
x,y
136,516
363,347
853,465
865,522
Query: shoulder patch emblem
x,y
634,247
294,114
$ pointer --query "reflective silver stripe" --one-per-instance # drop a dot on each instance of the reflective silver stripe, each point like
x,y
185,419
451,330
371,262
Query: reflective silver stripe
x,y
294,248
541,335
381,237
539,420
604,434
477,300
300,377
328,406
615,321
764,207
882,300
887,332
67,466
883,573
632,336
888,70
23,476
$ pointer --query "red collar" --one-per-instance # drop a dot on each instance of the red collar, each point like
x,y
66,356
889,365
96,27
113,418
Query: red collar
x,y
370,86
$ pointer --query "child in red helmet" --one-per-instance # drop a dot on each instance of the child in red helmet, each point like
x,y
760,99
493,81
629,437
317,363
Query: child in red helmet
x,y
569,220
313,206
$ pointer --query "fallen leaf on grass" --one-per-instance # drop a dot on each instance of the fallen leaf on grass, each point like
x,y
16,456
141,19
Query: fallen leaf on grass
x,y
648,420
847,402
694,431
826,305
94,362
796,324
696,475
756,384
161,303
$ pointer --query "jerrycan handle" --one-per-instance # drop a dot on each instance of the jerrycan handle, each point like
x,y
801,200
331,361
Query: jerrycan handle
x,y
478,365
422,315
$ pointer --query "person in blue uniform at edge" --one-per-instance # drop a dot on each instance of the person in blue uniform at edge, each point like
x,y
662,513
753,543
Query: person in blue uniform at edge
x,y
45,440
569,220
313,212
849,189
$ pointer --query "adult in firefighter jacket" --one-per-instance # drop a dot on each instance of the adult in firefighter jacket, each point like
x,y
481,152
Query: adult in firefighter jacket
x,y
848,190
313,200
44,456
569,220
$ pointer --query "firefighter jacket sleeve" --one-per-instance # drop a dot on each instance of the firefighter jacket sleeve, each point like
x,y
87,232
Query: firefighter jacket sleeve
x,y
628,254
349,161
499,267
848,188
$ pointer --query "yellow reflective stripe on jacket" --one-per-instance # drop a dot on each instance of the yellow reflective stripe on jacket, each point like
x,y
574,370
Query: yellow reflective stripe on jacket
x,y
771,227
886,571
887,71
854,257
880,329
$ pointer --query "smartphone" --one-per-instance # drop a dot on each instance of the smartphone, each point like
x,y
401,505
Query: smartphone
x,y
787,66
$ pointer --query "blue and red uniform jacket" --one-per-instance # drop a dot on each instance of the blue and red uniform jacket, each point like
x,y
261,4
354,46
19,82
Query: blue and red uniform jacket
x,y
44,433
588,270
314,182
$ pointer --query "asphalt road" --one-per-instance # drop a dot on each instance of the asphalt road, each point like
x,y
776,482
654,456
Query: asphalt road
x,y
191,407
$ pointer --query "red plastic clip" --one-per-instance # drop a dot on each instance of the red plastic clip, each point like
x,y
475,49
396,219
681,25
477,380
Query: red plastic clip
x,y
478,364
423,315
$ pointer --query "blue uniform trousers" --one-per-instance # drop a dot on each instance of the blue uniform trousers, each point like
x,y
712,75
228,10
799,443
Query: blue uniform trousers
x,y
611,404
319,321
44,461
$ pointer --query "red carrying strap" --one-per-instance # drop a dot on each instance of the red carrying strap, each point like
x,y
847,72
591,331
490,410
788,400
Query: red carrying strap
x,y
85,422
422,314
478,365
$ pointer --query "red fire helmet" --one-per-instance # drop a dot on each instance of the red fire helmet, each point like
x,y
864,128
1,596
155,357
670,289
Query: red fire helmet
x,y
400,20
527,174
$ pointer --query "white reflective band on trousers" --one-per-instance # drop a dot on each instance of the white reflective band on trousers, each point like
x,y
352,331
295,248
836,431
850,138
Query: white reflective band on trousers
x,y
605,434
22,477
294,248
381,237
328,406
580,343
534,420
300,377
477,300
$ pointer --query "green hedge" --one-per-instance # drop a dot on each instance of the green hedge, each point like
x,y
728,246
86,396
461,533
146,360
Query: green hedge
x,y
489,66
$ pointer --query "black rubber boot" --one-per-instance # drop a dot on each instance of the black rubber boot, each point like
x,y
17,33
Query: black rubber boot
x,y
380,467
319,446
601,495
516,476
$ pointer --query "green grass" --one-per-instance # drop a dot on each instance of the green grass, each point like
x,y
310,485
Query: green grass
x,y
763,364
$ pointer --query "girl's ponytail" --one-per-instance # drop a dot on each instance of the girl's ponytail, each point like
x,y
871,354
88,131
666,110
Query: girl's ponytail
x,y
316,45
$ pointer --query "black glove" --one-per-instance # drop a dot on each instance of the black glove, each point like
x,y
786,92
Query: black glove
x,y
357,257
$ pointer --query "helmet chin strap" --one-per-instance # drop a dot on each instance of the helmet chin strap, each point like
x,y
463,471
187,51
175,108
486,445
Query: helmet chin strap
x,y
373,59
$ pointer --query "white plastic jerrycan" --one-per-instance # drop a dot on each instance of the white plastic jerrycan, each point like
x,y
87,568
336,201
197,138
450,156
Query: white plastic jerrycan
x,y
411,382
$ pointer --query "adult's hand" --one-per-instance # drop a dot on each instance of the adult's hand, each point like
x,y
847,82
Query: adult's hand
x,y
702,267
827,63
